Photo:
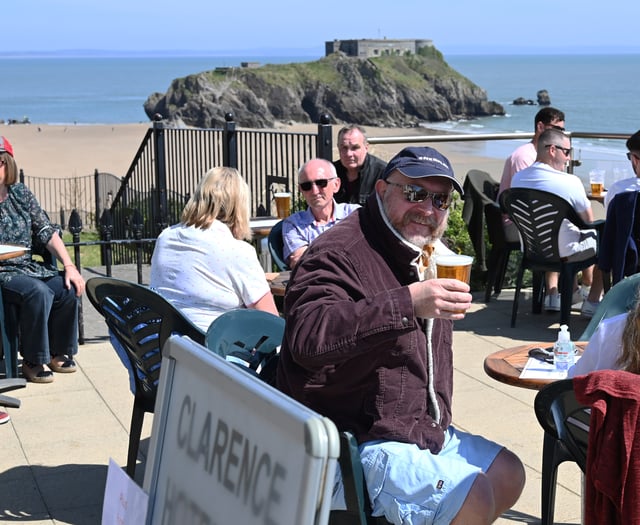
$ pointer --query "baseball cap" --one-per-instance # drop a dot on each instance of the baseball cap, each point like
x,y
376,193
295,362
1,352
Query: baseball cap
x,y
5,146
422,162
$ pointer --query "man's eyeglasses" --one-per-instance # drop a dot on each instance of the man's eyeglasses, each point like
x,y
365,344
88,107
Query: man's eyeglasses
x,y
321,183
566,151
416,194
631,154
555,126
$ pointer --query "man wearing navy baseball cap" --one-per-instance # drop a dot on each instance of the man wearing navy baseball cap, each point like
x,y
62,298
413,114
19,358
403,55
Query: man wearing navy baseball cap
x,y
368,344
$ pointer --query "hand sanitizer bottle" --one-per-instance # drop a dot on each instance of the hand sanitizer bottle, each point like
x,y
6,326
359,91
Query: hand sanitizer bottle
x,y
563,350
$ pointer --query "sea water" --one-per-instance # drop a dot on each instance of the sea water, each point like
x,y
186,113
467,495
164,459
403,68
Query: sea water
x,y
598,93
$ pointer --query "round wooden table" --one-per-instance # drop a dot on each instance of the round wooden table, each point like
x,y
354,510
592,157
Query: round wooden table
x,y
278,282
507,365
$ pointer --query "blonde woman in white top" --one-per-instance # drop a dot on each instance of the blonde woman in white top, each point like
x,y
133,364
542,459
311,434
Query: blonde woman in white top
x,y
203,265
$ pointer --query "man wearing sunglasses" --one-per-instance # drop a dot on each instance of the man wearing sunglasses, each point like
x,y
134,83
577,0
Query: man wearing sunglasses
x,y
318,183
525,155
368,344
357,168
548,174
630,183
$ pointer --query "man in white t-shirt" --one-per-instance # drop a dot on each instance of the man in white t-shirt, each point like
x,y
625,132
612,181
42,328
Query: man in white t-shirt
x,y
631,183
547,174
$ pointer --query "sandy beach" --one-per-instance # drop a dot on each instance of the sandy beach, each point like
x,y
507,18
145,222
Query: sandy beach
x,y
77,150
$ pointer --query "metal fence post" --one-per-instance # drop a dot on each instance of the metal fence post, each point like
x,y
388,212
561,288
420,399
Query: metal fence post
x,y
106,230
325,138
98,200
137,224
229,142
161,177
75,227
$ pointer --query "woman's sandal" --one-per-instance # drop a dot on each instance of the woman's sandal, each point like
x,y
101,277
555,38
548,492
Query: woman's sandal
x,y
62,364
36,373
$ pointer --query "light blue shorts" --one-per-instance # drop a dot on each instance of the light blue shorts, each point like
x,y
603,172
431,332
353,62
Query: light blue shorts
x,y
410,486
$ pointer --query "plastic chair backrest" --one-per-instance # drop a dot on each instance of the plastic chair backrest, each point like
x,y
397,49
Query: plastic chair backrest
x,y
249,338
619,299
276,245
562,416
142,321
538,216
479,191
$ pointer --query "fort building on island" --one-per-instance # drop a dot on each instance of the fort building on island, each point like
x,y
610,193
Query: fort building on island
x,y
368,48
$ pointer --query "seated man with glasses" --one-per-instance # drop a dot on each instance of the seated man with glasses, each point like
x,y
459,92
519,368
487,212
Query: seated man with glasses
x,y
630,183
524,156
318,182
548,173
369,344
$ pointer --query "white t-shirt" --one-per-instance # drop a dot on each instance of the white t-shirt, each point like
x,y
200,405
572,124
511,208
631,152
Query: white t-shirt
x,y
204,273
541,176
630,184
604,348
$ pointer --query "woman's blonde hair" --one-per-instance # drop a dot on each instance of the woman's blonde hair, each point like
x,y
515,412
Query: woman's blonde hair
x,y
10,169
630,358
222,195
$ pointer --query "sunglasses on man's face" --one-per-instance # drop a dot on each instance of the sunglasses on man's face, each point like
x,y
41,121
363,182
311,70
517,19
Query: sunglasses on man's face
x,y
320,183
416,194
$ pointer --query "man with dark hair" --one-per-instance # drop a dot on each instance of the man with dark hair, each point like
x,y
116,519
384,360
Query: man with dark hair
x,y
357,168
369,344
630,183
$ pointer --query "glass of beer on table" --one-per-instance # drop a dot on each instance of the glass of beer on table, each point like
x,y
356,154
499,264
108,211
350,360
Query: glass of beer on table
x,y
283,204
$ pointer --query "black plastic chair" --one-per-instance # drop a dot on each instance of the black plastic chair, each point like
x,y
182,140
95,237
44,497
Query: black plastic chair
x,y
566,436
358,510
538,216
142,321
276,246
480,209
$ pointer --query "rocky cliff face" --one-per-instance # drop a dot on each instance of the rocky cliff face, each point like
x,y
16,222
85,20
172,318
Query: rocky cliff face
x,y
385,91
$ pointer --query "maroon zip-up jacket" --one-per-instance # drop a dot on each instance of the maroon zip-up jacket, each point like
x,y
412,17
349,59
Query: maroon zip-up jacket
x,y
353,349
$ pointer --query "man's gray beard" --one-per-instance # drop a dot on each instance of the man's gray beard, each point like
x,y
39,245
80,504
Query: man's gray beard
x,y
417,240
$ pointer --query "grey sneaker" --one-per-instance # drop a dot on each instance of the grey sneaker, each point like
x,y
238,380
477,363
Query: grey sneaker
x,y
580,295
589,308
552,303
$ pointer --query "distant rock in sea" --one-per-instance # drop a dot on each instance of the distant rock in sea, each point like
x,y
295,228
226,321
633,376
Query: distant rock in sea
x,y
388,91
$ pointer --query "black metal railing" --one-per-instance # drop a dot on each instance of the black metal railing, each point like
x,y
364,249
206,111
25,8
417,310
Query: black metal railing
x,y
130,212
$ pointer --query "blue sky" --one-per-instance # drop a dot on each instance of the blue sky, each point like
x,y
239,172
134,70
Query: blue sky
x,y
219,26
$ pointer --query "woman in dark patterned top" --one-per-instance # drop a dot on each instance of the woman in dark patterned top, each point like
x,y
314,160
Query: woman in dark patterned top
x,y
46,296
